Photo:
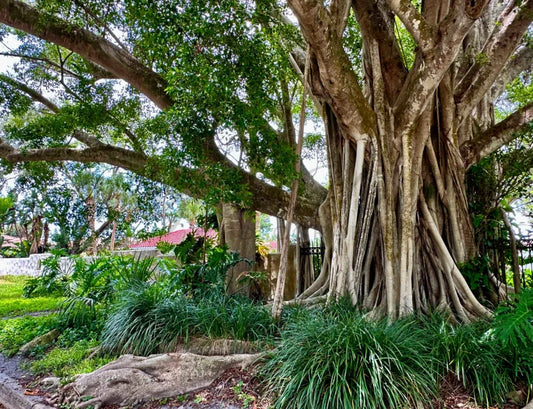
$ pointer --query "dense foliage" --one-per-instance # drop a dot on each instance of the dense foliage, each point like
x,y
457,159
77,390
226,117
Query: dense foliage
x,y
336,357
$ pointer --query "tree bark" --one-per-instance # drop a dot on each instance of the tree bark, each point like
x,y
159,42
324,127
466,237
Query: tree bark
x,y
397,204
239,235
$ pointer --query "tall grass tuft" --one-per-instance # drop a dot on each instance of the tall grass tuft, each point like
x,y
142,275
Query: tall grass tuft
x,y
147,319
471,353
338,359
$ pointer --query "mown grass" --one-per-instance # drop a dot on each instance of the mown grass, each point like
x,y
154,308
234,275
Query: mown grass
x,y
12,303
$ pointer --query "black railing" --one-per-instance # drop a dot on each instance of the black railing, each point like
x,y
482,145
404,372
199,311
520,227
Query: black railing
x,y
314,255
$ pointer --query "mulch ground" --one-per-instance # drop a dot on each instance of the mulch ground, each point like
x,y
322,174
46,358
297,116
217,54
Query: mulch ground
x,y
453,395
239,389
234,389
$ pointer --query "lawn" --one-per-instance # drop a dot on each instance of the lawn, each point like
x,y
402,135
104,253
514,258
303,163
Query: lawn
x,y
13,304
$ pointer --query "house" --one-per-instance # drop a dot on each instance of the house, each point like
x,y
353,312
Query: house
x,y
10,241
175,237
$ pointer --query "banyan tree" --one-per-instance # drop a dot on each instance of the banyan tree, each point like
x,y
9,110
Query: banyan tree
x,y
405,90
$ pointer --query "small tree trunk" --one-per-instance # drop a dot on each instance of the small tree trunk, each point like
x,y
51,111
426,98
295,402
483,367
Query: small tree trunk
x,y
514,254
113,236
282,275
239,235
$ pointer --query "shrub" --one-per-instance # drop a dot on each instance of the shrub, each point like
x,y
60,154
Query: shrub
x,y
234,317
200,279
136,325
148,319
52,282
513,330
471,353
337,359
90,285
94,285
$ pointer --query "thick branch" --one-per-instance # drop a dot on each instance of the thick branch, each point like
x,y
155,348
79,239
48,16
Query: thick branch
x,y
338,79
81,136
429,69
521,61
497,136
339,10
97,72
35,95
414,22
103,153
265,198
113,58
480,77
376,25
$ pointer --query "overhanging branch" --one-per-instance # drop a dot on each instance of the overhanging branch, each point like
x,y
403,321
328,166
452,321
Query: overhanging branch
x,y
480,77
264,197
497,136
35,95
521,61
19,15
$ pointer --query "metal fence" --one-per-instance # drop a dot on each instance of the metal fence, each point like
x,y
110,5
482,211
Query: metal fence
x,y
311,259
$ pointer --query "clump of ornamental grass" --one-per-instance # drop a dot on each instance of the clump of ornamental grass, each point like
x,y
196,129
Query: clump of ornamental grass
x,y
147,319
338,359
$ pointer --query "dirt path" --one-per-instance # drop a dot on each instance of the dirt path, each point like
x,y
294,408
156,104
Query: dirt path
x,y
29,314
15,378
11,367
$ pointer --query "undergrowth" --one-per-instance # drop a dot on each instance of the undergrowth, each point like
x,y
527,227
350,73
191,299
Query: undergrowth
x,y
146,319
18,331
338,359
331,357
66,362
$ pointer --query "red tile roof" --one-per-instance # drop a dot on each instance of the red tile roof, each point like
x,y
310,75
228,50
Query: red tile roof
x,y
10,241
175,237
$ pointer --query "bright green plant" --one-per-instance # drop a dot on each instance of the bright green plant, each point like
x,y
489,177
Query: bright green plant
x,y
339,359
90,287
513,321
18,331
52,281
204,278
60,361
129,270
94,285
513,330
472,355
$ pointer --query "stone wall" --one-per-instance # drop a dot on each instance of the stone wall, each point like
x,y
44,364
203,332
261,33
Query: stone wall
x,y
31,266
28,266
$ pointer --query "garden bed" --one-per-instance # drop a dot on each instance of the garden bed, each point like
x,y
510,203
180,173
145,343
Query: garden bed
x,y
314,353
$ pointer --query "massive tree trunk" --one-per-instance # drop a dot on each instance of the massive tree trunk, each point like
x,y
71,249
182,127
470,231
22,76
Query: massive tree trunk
x,y
396,220
238,231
